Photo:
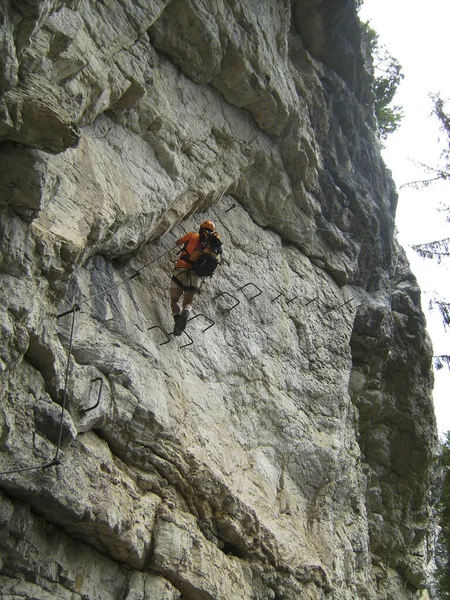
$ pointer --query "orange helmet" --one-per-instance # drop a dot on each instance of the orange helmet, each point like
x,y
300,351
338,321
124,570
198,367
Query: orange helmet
x,y
208,225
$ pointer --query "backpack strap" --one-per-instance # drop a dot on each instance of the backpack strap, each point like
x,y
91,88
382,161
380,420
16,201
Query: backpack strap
x,y
183,248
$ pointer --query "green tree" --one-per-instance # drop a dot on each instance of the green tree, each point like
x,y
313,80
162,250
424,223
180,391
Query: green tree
x,y
387,77
438,250
440,172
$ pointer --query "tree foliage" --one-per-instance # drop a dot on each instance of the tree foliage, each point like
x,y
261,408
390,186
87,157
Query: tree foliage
x,y
387,77
439,110
442,360
440,172
438,250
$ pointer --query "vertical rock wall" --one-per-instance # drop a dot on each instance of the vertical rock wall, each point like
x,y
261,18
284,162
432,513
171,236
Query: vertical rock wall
x,y
283,447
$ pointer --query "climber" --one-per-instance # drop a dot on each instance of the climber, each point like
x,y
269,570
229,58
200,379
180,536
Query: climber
x,y
198,258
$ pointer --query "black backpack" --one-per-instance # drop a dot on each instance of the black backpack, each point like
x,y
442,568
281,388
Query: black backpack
x,y
205,261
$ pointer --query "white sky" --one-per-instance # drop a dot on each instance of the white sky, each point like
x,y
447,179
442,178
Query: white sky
x,y
415,33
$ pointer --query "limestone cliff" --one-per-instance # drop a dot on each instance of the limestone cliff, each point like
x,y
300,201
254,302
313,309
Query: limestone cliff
x,y
283,447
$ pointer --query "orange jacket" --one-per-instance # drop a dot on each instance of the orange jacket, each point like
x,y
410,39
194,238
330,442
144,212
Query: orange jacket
x,y
193,242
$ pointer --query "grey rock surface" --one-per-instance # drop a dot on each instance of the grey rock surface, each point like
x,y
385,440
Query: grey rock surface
x,y
283,448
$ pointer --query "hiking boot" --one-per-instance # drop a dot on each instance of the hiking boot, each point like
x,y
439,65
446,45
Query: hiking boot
x,y
176,327
183,320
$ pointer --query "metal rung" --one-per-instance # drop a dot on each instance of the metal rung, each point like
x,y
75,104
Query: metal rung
x,y
338,307
207,318
74,308
287,301
313,300
231,296
54,463
171,333
99,394
254,285
164,332
190,343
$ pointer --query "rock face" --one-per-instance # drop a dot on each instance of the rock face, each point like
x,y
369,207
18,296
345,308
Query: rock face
x,y
283,447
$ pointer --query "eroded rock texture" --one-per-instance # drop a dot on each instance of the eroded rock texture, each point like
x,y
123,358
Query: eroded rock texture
x,y
287,453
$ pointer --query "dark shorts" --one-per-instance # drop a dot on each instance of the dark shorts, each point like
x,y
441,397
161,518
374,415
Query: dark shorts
x,y
185,279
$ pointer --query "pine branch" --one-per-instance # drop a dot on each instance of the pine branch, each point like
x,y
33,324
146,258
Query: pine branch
x,y
439,174
441,361
444,309
438,249
420,183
